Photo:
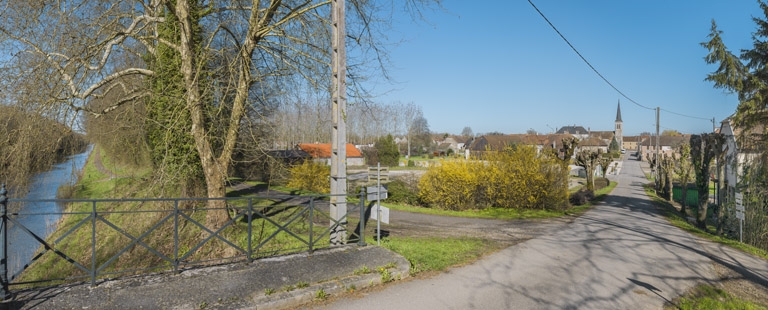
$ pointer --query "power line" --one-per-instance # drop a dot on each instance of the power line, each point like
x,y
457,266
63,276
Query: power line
x,y
585,60
683,115
603,77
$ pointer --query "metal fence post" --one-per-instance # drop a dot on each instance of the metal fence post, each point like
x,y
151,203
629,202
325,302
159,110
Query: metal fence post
x,y
361,235
5,294
311,224
93,245
250,230
176,236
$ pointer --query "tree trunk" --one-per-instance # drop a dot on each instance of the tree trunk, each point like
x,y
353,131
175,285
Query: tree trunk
x,y
701,218
684,200
214,175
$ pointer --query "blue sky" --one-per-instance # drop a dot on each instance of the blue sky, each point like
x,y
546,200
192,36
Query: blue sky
x,y
498,66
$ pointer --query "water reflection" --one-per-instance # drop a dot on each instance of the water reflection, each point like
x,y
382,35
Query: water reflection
x,y
40,217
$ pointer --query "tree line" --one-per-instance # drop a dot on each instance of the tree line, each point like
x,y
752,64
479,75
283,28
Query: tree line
x,y
202,75
31,143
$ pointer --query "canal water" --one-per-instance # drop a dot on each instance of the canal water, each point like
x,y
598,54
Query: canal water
x,y
41,217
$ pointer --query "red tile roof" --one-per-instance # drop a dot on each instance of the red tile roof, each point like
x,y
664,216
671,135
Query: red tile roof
x,y
323,150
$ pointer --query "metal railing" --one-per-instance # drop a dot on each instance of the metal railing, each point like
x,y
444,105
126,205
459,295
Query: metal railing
x,y
98,238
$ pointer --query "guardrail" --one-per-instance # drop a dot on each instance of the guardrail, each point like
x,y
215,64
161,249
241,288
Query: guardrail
x,y
166,234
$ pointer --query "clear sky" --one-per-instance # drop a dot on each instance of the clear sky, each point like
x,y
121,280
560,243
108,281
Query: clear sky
x,y
498,65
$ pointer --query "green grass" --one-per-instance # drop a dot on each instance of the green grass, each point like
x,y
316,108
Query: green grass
x,y
677,220
507,214
438,253
708,297
94,184
704,296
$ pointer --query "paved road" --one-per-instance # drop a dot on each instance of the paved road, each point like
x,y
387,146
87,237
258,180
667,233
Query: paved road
x,y
620,255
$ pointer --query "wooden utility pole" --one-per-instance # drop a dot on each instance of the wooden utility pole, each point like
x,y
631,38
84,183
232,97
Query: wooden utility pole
x,y
339,131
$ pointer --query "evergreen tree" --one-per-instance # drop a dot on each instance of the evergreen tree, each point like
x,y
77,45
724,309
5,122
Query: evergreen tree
x,y
387,150
614,146
746,75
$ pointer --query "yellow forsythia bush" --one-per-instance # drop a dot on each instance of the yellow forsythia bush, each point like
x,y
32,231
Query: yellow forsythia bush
x,y
451,185
311,176
517,177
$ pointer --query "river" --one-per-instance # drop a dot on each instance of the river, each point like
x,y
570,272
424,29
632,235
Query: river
x,y
21,246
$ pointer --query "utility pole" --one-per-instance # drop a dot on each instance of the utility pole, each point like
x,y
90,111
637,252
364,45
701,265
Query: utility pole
x,y
339,132
658,159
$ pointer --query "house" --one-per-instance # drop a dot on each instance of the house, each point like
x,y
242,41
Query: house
x,y
593,144
321,152
455,144
667,144
631,143
289,156
576,131
740,149
483,144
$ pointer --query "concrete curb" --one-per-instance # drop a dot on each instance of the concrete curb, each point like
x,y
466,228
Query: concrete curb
x,y
235,286
292,299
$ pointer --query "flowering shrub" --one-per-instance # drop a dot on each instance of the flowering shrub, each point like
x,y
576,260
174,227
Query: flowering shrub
x,y
311,176
517,177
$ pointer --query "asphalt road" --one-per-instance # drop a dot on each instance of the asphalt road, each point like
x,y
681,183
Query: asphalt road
x,y
620,255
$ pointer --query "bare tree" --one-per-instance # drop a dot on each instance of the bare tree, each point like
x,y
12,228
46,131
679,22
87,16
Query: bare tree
x,y
588,160
704,148
467,132
683,170
72,47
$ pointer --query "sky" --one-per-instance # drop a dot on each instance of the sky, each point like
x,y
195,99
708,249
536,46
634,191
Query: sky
x,y
497,66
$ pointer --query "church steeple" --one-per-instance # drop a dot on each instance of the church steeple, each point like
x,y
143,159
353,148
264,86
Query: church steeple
x,y
618,112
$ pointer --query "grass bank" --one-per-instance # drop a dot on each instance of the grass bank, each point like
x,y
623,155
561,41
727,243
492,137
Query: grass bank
x,y
706,296
509,214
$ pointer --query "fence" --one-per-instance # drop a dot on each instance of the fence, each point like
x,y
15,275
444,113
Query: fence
x,y
98,238
691,196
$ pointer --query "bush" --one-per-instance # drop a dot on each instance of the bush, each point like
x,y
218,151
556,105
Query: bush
x,y
581,197
450,186
311,176
513,178
601,183
387,151
400,192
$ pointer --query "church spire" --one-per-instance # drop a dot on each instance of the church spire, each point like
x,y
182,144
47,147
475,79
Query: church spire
x,y
618,112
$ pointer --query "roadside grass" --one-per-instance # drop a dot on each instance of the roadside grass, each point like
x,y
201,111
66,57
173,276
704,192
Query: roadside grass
x,y
709,297
427,254
704,296
438,253
508,214
677,220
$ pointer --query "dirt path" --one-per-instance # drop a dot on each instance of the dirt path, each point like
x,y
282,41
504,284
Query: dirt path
x,y
100,165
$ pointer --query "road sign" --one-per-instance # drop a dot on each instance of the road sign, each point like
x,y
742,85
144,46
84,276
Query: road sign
x,y
383,211
740,215
376,193
739,200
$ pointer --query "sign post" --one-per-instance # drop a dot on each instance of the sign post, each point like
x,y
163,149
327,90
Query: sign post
x,y
378,193
740,213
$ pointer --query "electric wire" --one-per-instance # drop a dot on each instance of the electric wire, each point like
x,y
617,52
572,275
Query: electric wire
x,y
599,74
680,114
584,59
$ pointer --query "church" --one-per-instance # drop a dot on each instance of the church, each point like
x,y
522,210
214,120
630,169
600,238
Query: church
x,y
598,140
